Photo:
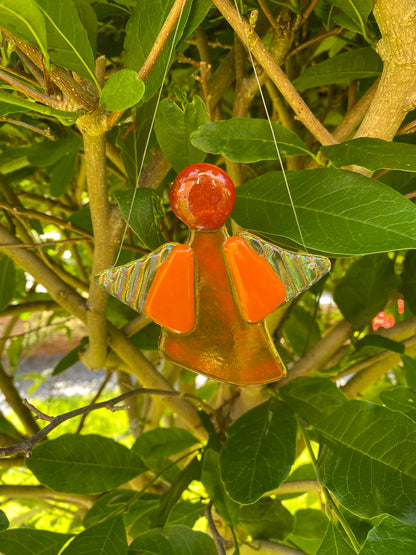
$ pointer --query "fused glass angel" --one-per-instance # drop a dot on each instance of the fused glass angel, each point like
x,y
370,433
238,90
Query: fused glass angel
x,y
211,295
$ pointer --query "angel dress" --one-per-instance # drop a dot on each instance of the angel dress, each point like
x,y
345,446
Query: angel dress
x,y
211,295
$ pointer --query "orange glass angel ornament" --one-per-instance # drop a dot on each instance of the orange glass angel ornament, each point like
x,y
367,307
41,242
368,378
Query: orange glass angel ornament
x,y
211,295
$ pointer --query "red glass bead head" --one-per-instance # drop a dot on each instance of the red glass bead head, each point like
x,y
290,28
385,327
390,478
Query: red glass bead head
x,y
202,196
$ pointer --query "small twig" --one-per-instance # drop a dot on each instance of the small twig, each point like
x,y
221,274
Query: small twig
x,y
269,15
319,38
26,445
47,243
45,132
39,414
218,539
308,11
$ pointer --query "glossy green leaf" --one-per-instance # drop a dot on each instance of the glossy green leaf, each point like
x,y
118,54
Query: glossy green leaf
x,y
191,472
409,279
401,398
145,217
89,20
133,140
70,358
356,10
25,541
248,140
309,529
199,10
365,288
334,543
106,537
312,398
4,521
142,29
7,281
267,518
340,212
173,127
363,447
173,540
147,339
24,19
341,69
384,343
63,173
409,368
122,90
211,479
390,536
301,332
373,154
84,464
68,42
162,443
259,451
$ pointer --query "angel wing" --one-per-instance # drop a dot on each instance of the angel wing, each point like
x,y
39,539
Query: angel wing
x,y
161,284
293,274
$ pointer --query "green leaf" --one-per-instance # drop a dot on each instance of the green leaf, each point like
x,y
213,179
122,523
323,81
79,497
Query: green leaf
x,y
147,339
312,398
25,20
198,12
145,217
372,340
70,358
364,447
4,521
106,537
186,513
248,140
267,518
84,464
373,154
211,479
334,543
173,540
191,472
402,399
142,29
7,281
25,541
259,451
122,90
173,128
63,173
88,20
68,41
356,10
161,443
409,368
365,288
409,279
300,330
109,503
341,69
309,529
341,213
390,536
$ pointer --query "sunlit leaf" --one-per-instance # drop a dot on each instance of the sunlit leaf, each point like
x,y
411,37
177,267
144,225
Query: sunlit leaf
x,y
334,543
390,536
122,90
25,541
108,536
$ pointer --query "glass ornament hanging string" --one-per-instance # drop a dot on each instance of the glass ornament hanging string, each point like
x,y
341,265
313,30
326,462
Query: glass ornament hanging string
x,y
171,51
289,193
152,123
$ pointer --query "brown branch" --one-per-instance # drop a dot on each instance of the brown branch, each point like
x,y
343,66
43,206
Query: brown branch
x,y
276,74
157,48
27,445
319,38
45,132
35,306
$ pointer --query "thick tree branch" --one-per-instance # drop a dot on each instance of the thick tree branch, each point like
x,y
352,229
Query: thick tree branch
x,y
395,95
276,74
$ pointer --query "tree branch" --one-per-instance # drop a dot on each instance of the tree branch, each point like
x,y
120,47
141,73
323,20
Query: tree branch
x,y
42,492
275,73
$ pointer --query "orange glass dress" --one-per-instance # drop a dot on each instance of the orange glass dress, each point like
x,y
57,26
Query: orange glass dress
x,y
211,295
